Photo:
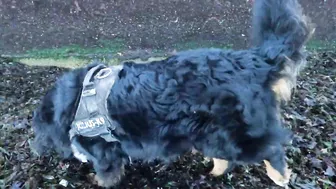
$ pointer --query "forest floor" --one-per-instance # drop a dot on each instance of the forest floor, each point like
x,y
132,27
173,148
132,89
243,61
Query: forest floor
x,y
311,115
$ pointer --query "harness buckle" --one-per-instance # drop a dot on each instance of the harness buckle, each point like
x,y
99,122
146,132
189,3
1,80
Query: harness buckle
x,y
89,90
103,73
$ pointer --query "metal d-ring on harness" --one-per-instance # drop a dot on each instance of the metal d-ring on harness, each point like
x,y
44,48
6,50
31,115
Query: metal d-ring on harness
x,y
91,118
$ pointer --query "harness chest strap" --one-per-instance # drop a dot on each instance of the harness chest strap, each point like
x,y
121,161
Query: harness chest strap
x,y
91,118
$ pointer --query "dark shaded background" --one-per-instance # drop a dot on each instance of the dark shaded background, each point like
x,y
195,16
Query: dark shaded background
x,y
140,23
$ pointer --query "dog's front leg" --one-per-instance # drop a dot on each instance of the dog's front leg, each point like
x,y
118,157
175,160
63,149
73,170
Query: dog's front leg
x,y
110,169
108,178
107,157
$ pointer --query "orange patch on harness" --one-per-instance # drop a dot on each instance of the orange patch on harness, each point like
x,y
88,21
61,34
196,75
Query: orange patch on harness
x,y
282,89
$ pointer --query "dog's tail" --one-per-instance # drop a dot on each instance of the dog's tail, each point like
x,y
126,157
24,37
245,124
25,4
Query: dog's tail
x,y
280,31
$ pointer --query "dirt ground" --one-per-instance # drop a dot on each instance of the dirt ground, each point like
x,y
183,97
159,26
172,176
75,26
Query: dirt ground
x,y
312,156
155,24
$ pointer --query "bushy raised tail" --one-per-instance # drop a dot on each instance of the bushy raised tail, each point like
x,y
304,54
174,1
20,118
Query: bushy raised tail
x,y
280,32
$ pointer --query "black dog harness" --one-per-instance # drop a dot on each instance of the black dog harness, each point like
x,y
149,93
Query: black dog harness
x,y
91,118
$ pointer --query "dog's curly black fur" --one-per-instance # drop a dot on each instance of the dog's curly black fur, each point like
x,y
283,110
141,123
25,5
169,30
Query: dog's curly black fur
x,y
224,104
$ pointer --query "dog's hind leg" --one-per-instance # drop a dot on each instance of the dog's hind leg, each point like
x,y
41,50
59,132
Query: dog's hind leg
x,y
281,179
277,169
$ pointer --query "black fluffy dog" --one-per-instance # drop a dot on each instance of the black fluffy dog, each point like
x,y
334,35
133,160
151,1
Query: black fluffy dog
x,y
224,104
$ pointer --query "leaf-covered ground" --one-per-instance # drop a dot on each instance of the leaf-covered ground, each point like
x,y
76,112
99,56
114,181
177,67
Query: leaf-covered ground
x,y
312,155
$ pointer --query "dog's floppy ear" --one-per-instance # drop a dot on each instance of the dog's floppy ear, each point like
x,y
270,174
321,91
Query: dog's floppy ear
x,y
45,112
48,135
52,117
107,157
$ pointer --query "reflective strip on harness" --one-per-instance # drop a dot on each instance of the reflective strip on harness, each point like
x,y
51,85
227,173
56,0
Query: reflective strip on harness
x,y
91,118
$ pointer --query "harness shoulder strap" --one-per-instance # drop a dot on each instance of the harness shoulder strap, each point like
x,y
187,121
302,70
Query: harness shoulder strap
x,y
91,118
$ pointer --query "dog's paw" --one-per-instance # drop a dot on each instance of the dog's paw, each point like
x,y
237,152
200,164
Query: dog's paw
x,y
103,183
194,151
99,181
276,177
107,182
220,166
